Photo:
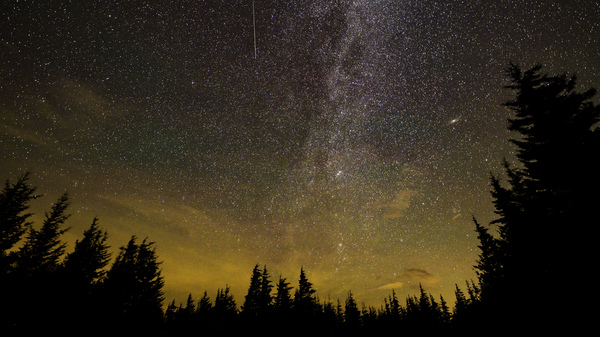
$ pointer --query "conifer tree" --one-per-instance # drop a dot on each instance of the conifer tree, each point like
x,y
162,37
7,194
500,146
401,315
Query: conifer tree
x,y
42,251
190,306
305,305
85,265
14,203
204,305
82,272
204,310
394,305
445,311
332,315
171,314
304,300
250,308
461,307
133,287
548,201
224,312
283,297
36,271
351,313
265,300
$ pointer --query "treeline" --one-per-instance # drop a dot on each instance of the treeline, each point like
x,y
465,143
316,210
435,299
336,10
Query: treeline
x,y
48,289
527,270
281,307
45,289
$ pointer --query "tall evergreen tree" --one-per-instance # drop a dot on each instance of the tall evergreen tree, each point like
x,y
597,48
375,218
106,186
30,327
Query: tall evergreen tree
x,y
85,265
171,314
225,313
14,203
548,202
305,305
445,311
304,297
265,300
283,297
133,287
282,304
82,272
460,313
351,314
36,269
250,308
203,315
204,306
42,251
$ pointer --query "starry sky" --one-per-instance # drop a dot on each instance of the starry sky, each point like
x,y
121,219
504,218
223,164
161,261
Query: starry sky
x,y
353,139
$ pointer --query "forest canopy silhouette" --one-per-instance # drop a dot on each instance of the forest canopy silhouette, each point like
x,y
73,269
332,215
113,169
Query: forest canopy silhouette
x,y
545,202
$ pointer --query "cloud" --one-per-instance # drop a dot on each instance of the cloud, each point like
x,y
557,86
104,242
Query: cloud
x,y
391,286
400,203
411,278
416,276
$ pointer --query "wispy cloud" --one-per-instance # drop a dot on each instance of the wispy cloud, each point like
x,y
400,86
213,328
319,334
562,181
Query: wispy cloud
x,y
391,286
411,278
416,276
401,202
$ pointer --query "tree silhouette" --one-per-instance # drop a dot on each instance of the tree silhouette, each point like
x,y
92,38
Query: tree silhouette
x,y
304,298
265,300
351,314
204,310
14,203
81,275
225,312
283,298
258,303
41,253
133,287
547,202
305,305
34,276
250,308
85,265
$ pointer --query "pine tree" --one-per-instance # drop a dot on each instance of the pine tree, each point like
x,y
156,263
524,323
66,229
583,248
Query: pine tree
x,y
36,269
548,201
445,311
171,314
186,317
489,265
204,305
460,313
224,312
85,265
339,312
81,274
305,305
304,300
42,251
250,308
265,300
283,298
133,287
203,309
351,314
14,203
394,306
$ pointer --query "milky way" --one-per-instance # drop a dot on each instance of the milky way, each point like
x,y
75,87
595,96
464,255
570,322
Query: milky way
x,y
355,141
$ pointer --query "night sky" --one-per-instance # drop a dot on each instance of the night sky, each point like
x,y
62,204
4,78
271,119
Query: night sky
x,y
354,139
